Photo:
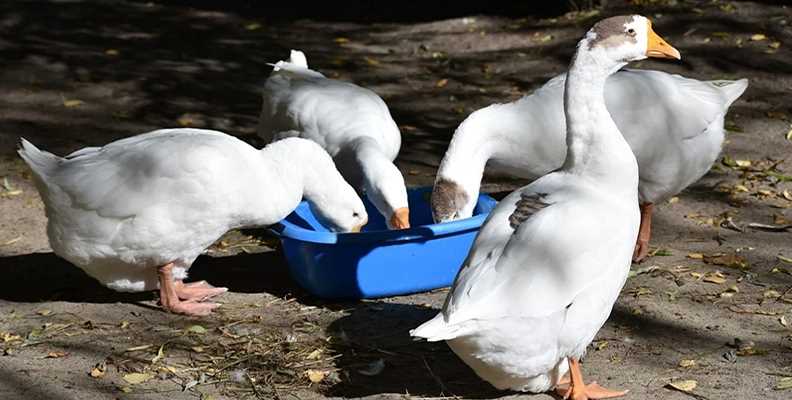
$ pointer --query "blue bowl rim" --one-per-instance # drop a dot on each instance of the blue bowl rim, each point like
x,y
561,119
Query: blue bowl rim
x,y
286,229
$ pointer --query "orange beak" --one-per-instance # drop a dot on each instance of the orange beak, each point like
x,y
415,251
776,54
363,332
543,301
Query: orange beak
x,y
657,47
400,218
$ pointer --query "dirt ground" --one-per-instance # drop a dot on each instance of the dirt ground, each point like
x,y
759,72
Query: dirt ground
x,y
713,305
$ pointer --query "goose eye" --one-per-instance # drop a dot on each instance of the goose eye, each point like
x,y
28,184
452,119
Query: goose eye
x,y
356,215
631,32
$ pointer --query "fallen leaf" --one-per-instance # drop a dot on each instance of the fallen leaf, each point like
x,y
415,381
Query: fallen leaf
x,y
774,45
315,376
44,312
197,349
743,163
111,52
661,253
137,377
601,345
696,256
782,320
123,324
314,355
686,386
697,275
371,61
253,26
72,103
757,37
197,329
56,354
546,38
727,260
374,368
341,40
714,277
784,383
441,83
771,294
687,363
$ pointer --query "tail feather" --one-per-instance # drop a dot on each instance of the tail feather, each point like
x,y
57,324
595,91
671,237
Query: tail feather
x,y
43,163
437,329
731,89
296,60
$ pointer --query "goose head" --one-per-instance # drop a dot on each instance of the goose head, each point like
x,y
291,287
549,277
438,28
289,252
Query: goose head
x,y
625,38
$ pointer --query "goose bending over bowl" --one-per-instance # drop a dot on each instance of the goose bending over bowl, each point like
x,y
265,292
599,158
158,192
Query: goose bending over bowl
x,y
137,212
673,124
549,262
352,123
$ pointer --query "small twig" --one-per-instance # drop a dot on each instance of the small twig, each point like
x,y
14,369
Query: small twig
x,y
779,298
253,386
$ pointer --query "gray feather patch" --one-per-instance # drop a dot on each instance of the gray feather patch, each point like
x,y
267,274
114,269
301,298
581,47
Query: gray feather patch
x,y
528,205
447,199
610,32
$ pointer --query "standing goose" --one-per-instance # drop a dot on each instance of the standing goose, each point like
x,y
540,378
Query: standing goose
x,y
352,123
549,262
137,212
673,124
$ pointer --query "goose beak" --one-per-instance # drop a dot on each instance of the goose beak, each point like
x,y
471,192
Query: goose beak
x,y
657,47
400,218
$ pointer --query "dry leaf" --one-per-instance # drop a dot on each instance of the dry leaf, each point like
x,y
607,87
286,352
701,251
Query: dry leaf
x,y
371,61
686,386
56,354
314,354
44,312
341,40
123,324
697,275
743,163
601,345
784,383
137,377
727,260
696,256
714,277
441,83
782,320
787,195
673,200
758,37
771,294
687,363
774,45
111,52
197,329
253,26
315,376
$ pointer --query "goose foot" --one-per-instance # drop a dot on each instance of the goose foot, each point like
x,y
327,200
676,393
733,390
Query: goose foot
x,y
577,390
644,233
170,299
198,291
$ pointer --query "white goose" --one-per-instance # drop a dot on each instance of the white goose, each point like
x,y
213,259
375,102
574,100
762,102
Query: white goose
x,y
137,212
352,123
549,262
673,124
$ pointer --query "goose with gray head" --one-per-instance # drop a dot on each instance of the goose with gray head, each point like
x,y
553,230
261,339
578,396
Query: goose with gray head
x,y
541,277
136,213
674,125
351,122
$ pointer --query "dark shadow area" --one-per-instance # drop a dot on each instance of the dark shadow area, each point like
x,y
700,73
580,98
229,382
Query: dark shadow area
x,y
46,277
380,331
376,11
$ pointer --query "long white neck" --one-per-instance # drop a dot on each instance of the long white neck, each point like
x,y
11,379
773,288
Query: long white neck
x,y
290,170
595,147
464,162
383,182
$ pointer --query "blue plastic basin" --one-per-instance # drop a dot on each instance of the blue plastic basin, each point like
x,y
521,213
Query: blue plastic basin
x,y
378,262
